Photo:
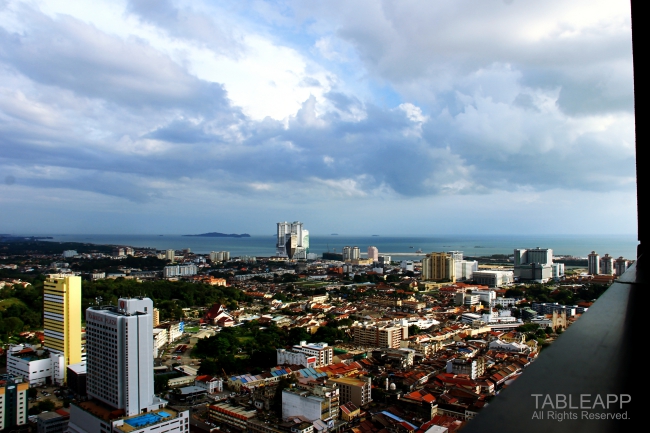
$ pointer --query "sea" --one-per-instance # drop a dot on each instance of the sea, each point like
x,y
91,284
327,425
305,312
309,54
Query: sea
x,y
401,247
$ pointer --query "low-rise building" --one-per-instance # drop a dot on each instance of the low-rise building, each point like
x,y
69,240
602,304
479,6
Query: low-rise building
x,y
493,278
53,422
210,383
37,366
349,411
233,416
180,270
250,381
318,403
315,354
174,330
471,367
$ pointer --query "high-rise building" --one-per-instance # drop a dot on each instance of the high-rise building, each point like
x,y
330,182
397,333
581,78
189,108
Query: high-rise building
x,y
62,335
373,254
465,269
593,263
607,265
62,319
456,255
120,374
292,240
351,253
621,265
219,256
120,354
170,255
534,264
13,402
439,267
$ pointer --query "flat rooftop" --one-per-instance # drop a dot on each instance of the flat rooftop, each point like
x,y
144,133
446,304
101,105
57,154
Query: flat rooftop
x,y
136,422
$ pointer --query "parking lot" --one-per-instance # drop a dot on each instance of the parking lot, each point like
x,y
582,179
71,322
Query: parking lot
x,y
46,393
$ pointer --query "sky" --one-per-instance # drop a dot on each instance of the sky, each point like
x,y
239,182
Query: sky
x,y
352,116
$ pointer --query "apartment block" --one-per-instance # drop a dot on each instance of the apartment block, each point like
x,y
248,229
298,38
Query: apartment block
x,y
439,267
388,336
357,391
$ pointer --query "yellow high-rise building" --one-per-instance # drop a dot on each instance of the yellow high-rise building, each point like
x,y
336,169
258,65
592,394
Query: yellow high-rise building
x,y
439,267
62,317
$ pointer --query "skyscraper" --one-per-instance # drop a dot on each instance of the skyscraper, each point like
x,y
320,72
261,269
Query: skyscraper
x,y
62,319
373,254
292,240
120,354
593,263
621,265
120,373
607,265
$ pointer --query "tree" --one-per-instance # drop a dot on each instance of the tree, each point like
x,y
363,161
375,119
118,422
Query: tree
x,y
13,325
160,383
298,334
208,367
528,327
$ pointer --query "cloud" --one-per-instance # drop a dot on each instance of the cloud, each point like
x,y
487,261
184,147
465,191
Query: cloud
x,y
93,64
502,100
185,23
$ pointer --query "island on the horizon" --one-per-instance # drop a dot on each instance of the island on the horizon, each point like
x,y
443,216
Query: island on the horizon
x,y
221,235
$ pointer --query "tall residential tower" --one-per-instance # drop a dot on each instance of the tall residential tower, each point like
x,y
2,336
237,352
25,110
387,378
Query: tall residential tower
x,y
593,263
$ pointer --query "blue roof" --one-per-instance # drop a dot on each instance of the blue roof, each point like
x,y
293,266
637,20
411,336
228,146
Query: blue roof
x,y
398,419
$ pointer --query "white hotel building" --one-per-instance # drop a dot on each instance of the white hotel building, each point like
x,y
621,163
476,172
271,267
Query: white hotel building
x,y
119,348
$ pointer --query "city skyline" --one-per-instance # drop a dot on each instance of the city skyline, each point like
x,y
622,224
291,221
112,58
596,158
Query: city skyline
x,y
377,117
